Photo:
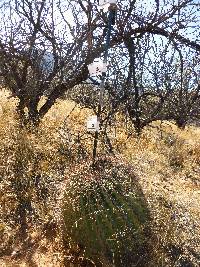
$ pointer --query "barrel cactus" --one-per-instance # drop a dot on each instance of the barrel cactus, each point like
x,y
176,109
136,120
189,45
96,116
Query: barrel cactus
x,y
106,214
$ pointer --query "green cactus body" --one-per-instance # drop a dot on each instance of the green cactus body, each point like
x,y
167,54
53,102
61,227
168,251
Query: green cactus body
x,y
106,216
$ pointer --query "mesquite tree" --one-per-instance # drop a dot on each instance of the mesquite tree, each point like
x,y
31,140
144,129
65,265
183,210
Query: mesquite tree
x,y
46,46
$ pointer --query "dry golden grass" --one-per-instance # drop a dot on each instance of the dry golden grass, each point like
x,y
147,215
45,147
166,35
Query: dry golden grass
x,y
165,158
167,161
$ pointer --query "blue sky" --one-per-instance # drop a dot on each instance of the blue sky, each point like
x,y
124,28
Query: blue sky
x,y
145,6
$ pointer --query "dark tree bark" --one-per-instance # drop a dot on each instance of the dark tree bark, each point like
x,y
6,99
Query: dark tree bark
x,y
74,45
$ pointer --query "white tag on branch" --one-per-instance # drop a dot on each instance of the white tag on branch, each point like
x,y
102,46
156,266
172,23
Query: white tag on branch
x,y
93,124
105,4
97,67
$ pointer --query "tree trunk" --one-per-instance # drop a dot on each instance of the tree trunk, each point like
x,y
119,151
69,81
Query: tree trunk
x,y
31,118
33,114
22,118
137,124
181,122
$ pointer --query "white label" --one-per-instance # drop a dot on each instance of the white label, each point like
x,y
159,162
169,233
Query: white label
x,y
104,4
97,67
93,124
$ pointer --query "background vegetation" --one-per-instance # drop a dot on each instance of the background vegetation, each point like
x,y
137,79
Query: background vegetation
x,y
47,174
128,195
